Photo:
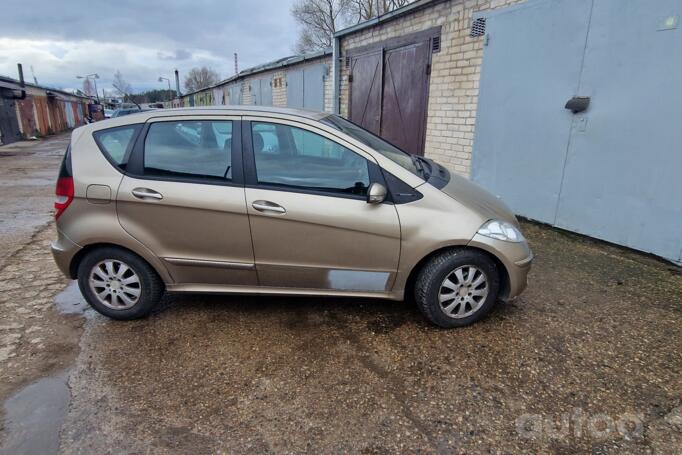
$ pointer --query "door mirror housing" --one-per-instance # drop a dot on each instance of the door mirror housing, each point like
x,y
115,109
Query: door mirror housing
x,y
376,194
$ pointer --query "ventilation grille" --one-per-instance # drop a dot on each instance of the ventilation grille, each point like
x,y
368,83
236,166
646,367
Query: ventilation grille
x,y
477,27
435,44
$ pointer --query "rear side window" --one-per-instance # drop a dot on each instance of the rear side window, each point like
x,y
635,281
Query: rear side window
x,y
115,142
189,149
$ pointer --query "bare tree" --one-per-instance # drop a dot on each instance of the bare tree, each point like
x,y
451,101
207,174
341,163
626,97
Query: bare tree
x,y
123,88
199,78
362,10
88,87
319,20
121,85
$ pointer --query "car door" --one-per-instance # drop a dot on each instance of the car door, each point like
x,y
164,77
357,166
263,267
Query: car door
x,y
310,221
183,198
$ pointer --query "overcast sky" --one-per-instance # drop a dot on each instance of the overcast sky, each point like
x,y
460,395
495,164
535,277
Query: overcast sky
x,y
144,39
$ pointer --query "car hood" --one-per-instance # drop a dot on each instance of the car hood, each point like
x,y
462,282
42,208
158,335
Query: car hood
x,y
476,198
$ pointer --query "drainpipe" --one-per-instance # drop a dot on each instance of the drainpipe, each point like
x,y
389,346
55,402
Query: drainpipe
x,y
336,70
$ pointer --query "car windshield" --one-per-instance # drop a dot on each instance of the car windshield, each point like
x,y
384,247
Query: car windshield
x,y
391,152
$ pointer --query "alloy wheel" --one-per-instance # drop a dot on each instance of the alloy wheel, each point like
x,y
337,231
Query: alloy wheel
x,y
463,291
115,284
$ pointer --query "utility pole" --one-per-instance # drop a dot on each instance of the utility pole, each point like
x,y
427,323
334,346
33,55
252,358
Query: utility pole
x,y
236,66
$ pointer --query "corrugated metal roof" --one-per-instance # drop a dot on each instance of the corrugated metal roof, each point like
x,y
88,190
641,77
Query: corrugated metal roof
x,y
13,84
279,63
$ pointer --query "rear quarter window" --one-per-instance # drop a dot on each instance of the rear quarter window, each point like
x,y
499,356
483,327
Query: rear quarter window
x,y
116,142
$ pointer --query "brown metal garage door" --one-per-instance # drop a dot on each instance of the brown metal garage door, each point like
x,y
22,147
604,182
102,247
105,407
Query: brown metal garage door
x,y
9,128
389,85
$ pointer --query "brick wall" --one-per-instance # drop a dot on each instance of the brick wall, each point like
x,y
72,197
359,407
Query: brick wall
x,y
455,73
247,96
279,89
329,89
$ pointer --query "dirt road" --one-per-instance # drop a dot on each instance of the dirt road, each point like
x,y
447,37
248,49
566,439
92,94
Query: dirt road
x,y
588,360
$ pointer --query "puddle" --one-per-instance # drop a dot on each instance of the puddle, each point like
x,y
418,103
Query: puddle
x,y
34,415
71,301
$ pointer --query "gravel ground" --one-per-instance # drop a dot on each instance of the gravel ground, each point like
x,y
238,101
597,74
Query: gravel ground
x,y
587,360
36,341
28,171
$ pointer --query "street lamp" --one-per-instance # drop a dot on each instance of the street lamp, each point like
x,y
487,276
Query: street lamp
x,y
161,79
94,77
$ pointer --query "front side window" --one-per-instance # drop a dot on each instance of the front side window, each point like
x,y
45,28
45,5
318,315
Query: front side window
x,y
189,148
294,157
391,152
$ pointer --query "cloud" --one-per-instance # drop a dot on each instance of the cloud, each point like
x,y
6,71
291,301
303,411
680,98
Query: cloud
x,y
144,40
141,66
179,54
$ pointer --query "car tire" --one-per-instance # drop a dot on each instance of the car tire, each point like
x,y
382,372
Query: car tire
x,y
119,284
446,293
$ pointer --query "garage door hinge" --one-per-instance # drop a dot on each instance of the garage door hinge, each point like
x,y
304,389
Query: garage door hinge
x,y
428,68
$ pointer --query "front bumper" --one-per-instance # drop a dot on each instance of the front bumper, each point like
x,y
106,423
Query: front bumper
x,y
516,258
63,251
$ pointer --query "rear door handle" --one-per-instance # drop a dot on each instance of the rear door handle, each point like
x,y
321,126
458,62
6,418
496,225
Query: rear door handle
x,y
267,206
146,193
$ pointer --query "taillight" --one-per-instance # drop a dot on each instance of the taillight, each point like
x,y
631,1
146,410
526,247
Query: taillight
x,y
65,189
64,195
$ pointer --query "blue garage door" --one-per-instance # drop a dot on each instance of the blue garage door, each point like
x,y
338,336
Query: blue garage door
x,y
262,91
235,94
305,87
613,170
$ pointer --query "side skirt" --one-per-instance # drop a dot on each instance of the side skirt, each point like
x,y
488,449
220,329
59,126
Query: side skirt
x,y
227,289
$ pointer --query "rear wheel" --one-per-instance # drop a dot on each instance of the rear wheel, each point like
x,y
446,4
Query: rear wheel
x,y
118,283
457,287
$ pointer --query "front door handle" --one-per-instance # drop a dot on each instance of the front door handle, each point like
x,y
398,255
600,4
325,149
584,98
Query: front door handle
x,y
267,206
146,193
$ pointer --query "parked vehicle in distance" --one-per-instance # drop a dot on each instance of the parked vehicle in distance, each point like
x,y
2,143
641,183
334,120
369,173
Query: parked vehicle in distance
x,y
108,113
120,112
275,201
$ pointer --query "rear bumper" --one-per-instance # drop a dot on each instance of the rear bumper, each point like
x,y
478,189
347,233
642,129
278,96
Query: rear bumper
x,y
63,251
516,258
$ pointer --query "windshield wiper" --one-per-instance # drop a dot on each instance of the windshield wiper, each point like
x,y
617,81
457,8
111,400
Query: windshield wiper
x,y
419,164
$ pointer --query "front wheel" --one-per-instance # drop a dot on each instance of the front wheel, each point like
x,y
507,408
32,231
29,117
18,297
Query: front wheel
x,y
457,287
118,283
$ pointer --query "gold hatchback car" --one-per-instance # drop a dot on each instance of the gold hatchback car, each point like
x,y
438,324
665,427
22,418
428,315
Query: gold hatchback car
x,y
275,201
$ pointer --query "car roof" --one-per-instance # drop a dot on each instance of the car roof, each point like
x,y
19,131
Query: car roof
x,y
241,110
313,115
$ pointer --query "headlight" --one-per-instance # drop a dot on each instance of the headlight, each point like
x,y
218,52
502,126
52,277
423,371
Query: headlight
x,y
501,230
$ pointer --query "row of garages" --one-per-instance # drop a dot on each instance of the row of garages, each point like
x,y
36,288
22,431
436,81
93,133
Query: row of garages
x,y
482,87
299,82
34,111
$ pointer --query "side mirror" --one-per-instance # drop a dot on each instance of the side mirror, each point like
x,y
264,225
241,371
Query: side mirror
x,y
376,194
